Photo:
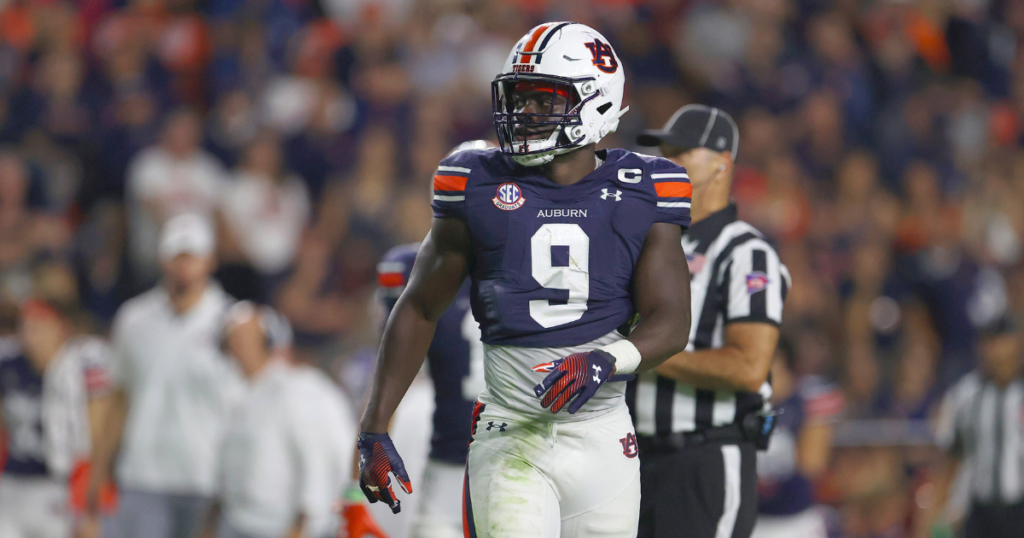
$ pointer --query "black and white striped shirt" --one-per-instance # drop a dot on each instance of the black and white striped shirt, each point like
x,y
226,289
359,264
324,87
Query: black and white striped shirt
x,y
983,424
735,275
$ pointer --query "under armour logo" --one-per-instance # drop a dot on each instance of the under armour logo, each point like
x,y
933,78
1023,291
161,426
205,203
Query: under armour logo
x,y
617,194
597,373
362,461
501,427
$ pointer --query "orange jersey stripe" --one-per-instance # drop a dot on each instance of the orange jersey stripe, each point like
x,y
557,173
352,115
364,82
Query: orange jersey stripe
x,y
674,189
450,183
533,40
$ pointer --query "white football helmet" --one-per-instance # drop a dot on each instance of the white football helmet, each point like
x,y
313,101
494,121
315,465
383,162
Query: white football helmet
x,y
573,61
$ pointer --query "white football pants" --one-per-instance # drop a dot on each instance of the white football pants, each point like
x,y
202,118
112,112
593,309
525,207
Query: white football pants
x,y
34,508
545,479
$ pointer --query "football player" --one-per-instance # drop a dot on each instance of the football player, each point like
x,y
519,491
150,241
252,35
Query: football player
x,y
799,453
54,386
564,246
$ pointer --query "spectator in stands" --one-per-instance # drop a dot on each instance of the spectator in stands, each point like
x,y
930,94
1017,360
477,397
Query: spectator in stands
x,y
53,389
25,232
172,178
231,126
173,392
266,210
131,125
285,452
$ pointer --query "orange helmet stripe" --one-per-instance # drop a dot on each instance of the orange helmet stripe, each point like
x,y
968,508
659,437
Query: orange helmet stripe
x,y
533,40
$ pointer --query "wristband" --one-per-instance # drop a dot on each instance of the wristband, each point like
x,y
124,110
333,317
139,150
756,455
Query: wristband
x,y
627,356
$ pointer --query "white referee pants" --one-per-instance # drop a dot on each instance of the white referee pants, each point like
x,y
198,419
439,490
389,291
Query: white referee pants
x,y
33,508
534,479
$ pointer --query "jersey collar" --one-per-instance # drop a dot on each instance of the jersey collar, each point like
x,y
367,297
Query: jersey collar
x,y
706,230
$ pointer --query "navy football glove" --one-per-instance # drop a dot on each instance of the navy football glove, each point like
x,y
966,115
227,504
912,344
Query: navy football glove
x,y
577,376
377,459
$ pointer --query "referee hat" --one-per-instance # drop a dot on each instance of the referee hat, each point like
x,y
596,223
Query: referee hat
x,y
696,126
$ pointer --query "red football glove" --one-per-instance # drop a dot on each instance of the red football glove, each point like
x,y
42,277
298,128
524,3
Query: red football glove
x,y
575,378
378,459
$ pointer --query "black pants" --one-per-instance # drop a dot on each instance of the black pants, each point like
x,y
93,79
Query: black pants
x,y
992,521
704,491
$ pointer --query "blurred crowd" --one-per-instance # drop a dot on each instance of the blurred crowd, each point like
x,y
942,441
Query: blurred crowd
x,y
880,149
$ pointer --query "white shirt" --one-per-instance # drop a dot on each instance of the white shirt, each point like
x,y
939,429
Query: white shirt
x,y
180,389
267,219
190,185
288,449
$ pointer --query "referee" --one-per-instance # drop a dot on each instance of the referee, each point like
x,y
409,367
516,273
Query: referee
x,y
701,416
981,427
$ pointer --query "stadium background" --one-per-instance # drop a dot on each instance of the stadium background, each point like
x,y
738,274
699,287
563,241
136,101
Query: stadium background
x,y
880,149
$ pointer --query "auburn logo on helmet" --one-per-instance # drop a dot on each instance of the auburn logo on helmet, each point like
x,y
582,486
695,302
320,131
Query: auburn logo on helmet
x,y
604,58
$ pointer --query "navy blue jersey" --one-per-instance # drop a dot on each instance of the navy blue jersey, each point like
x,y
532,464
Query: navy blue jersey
x,y
21,395
455,358
782,490
552,266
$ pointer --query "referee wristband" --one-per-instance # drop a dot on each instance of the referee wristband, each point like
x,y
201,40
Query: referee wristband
x,y
627,356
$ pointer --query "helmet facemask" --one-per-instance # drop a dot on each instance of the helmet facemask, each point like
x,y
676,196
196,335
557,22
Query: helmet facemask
x,y
534,138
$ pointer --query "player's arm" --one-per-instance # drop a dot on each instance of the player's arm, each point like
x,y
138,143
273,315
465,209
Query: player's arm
x,y
949,437
935,515
742,363
661,291
441,266
753,283
108,416
106,446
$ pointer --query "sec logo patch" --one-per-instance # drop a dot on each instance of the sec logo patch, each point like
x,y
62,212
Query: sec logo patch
x,y
509,197
756,281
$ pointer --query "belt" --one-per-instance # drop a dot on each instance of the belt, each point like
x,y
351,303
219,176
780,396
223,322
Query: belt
x,y
665,442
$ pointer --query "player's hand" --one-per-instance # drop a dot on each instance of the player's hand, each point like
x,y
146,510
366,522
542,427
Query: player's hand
x,y
577,376
378,459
